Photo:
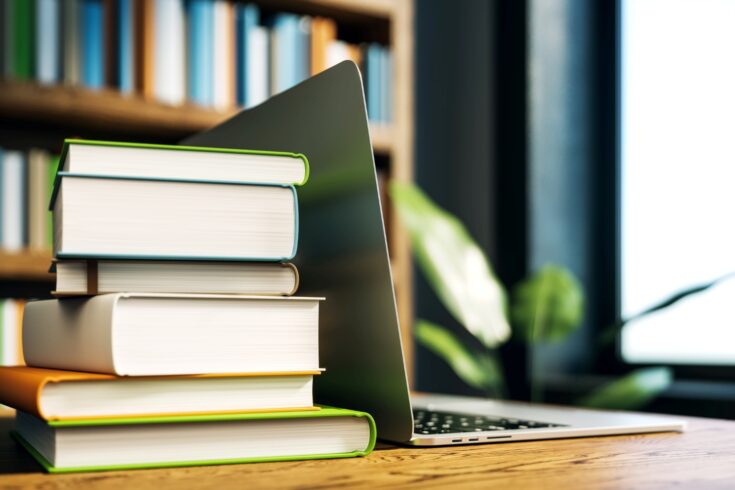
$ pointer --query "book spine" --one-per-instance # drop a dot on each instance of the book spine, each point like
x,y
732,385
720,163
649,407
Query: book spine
x,y
258,69
92,41
38,163
125,46
223,55
12,181
200,42
71,40
47,41
373,66
247,18
23,39
169,44
75,334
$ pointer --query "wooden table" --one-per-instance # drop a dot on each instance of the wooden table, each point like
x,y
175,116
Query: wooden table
x,y
702,457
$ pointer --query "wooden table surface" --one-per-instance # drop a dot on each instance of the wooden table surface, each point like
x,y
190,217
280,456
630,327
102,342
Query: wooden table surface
x,y
702,457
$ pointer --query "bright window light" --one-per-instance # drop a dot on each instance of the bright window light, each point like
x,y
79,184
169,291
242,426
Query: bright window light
x,y
678,178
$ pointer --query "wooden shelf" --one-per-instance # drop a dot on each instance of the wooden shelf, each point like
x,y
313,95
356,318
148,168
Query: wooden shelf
x,y
25,266
80,108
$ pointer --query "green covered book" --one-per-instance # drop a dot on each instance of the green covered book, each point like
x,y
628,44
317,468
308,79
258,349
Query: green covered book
x,y
195,440
177,162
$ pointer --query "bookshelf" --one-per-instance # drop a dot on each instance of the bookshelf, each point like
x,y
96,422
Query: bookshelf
x,y
34,115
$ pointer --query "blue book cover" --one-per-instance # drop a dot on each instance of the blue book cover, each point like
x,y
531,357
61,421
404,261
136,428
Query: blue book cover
x,y
47,41
285,31
386,87
247,17
93,66
126,74
302,50
372,85
201,55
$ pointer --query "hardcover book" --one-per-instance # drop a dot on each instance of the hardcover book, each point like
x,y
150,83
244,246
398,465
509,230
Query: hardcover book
x,y
183,162
92,277
195,440
120,217
138,334
53,394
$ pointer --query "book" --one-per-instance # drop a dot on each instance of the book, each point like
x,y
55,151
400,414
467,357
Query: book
x,y
39,163
200,46
323,33
125,46
47,41
12,200
151,442
126,217
92,44
183,162
89,277
11,317
168,56
52,394
247,18
163,334
71,17
259,66
23,39
286,41
224,55
373,67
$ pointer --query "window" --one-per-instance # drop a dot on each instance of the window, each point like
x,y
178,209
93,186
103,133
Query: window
x,y
678,178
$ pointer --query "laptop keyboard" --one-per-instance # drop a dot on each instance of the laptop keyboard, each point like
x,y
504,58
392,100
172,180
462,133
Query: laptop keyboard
x,y
431,422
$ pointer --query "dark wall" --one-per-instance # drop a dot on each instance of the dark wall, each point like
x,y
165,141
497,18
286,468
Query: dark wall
x,y
454,141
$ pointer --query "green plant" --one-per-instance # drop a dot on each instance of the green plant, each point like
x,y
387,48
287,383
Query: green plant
x,y
546,307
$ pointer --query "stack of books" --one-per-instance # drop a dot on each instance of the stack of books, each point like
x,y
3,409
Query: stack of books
x,y
177,341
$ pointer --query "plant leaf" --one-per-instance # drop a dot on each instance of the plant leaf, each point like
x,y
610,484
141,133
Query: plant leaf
x,y
453,264
479,370
609,334
547,306
632,391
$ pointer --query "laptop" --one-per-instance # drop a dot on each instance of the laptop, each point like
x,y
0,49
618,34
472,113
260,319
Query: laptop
x,y
343,256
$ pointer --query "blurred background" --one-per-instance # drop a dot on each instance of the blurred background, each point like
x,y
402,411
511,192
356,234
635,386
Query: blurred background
x,y
574,159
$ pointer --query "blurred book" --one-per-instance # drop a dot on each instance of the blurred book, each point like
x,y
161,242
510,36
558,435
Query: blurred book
x,y
47,41
11,323
87,277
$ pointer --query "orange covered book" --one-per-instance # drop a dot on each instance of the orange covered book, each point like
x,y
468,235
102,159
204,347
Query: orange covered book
x,y
66,395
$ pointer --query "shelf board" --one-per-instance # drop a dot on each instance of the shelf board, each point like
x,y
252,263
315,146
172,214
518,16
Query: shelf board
x,y
81,108
25,265
78,108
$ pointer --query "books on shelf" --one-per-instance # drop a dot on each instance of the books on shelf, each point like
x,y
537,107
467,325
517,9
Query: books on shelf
x,y
214,53
26,180
53,394
91,277
187,440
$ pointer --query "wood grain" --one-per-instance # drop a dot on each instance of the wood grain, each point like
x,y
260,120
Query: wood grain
x,y
702,457
26,265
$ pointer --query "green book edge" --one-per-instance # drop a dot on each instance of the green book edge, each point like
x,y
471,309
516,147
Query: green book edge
x,y
324,412
70,141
